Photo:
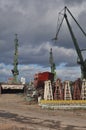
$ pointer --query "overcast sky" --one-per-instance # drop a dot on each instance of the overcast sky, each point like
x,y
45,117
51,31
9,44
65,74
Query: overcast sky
x,y
35,22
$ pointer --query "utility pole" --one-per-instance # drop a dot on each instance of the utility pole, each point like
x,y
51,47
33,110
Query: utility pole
x,y
52,64
15,71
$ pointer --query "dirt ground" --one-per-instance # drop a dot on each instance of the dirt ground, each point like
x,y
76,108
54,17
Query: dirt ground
x,y
17,114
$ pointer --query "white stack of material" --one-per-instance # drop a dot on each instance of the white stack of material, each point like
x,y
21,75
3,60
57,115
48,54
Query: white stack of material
x,y
83,90
22,80
48,94
67,91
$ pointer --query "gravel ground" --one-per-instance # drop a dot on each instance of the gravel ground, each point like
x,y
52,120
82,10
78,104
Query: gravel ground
x,y
17,114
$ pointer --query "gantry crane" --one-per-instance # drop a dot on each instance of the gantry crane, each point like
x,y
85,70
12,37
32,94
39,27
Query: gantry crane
x,y
15,71
80,60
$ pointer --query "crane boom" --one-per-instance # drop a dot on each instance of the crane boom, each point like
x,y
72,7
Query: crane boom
x,y
74,39
81,61
75,21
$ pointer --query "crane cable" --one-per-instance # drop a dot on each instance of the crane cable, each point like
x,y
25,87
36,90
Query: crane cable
x,y
59,25
76,21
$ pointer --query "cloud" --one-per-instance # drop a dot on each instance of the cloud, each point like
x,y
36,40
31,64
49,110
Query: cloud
x,y
68,73
35,22
74,2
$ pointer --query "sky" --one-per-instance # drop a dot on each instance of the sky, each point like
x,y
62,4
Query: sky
x,y
36,23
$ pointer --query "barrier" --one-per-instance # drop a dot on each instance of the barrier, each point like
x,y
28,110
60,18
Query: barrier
x,y
63,104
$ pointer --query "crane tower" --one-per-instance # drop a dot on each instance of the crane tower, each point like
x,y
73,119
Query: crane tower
x,y
15,71
52,64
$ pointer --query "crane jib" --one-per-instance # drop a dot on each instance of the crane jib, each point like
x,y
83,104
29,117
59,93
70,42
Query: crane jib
x,y
81,61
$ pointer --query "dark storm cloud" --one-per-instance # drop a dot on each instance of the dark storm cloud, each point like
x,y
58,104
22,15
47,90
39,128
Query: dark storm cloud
x,y
73,2
35,23
31,19
33,55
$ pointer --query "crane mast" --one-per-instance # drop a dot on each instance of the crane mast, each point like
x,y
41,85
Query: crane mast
x,y
80,61
15,71
52,64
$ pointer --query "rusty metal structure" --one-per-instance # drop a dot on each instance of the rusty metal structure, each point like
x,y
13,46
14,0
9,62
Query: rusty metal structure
x,y
77,85
39,81
40,78
58,92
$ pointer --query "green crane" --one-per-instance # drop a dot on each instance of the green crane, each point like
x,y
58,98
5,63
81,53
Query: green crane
x,y
80,60
52,64
15,71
